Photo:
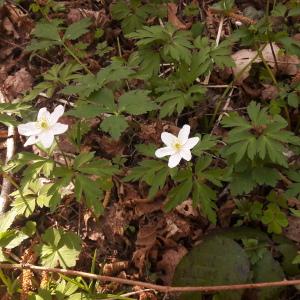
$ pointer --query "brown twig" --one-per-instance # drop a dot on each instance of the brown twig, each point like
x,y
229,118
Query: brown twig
x,y
160,288
245,20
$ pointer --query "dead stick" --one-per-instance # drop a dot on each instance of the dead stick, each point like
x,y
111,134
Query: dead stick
x,y
10,149
160,288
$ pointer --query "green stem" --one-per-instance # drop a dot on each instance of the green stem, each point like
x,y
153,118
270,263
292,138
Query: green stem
x,y
229,87
62,152
267,67
77,59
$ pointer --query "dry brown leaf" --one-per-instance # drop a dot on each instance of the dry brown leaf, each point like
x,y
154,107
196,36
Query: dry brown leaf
x,y
18,83
246,57
293,230
144,295
225,213
173,19
147,208
146,240
176,227
100,17
186,209
169,261
287,64
269,92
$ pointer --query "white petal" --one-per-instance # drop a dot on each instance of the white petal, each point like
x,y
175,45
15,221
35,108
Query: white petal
x,y
161,152
43,114
168,138
186,154
31,141
191,143
184,133
29,129
59,128
46,138
174,160
57,113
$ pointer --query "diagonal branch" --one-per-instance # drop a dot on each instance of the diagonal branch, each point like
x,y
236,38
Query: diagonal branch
x,y
160,288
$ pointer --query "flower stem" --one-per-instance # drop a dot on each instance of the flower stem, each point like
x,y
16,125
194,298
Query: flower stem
x,y
62,152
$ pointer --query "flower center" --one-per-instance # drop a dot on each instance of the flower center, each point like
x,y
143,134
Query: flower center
x,y
177,146
44,124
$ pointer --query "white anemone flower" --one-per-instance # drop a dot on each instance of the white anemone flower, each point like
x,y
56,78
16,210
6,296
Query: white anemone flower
x,y
177,147
45,128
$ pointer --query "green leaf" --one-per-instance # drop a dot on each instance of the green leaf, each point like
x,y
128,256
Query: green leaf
x,y
279,10
41,295
291,45
136,102
24,205
274,218
205,197
77,29
49,31
267,270
179,194
146,149
216,261
153,172
82,158
293,100
59,248
92,193
8,120
114,125
7,219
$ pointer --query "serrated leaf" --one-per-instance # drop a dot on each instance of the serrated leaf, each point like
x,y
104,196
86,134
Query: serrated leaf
x,y
59,248
92,193
77,29
179,194
114,125
82,158
274,218
205,197
49,31
136,102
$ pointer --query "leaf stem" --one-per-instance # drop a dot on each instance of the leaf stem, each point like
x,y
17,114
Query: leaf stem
x,y
77,59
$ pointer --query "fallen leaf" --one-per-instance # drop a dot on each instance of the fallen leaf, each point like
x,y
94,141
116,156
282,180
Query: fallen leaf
x,y
146,240
147,208
100,17
173,19
293,229
225,213
288,64
269,92
169,261
186,209
176,227
246,57
16,84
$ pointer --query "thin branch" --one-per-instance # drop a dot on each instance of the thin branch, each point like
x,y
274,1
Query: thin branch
x,y
206,80
160,288
10,149
225,107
